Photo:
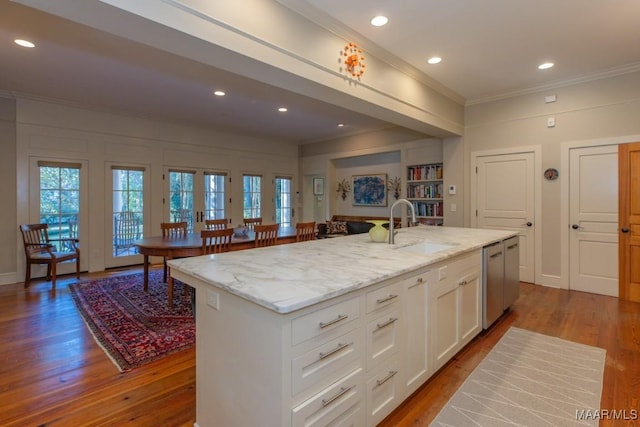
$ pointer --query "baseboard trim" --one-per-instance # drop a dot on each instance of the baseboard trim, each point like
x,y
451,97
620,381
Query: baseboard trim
x,y
550,281
8,278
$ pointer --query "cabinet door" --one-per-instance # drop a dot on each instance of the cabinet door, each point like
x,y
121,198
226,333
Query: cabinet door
x,y
417,366
470,291
384,391
444,314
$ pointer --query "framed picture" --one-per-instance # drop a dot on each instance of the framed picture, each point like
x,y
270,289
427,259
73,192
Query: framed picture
x,y
318,186
370,190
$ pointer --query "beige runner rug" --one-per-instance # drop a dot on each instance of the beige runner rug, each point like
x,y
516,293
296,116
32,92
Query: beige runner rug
x,y
530,379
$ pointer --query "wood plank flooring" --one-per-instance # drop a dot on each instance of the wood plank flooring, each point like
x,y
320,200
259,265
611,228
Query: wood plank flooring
x,y
52,373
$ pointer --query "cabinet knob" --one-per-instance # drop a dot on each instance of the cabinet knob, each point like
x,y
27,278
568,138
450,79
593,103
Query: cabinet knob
x,y
575,226
624,230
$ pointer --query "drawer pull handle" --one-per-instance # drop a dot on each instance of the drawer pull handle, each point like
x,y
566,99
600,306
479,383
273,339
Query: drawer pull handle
x,y
497,254
385,299
515,245
331,322
387,323
329,401
420,280
341,346
387,378
464,282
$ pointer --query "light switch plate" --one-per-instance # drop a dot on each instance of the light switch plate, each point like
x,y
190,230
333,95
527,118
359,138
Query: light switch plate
x,y
213,299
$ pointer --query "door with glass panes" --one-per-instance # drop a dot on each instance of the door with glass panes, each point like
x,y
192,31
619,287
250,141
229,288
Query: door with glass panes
x,y
195,195
128,213
58,198
283,203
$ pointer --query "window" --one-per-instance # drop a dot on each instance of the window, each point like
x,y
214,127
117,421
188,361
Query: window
x,y
181,197
127,209
251,185
214,195
283,203
60,198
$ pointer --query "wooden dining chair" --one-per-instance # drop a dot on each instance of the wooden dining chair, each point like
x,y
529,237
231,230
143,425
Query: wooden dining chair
x,y
250,223
216,241
40,249
172,230
266,235
305,231
216,224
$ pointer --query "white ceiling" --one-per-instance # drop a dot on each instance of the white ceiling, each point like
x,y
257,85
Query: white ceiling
x,y
490,49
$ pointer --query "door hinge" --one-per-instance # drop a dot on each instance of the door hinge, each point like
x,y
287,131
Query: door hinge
x,y
476,212
476,169
229,199
163,177
163,200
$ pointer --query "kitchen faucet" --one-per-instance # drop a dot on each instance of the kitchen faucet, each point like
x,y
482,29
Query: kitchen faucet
x,y
413,216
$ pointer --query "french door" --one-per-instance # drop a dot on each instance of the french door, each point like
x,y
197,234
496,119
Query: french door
x,y
195,195
58,196
127,211
283,190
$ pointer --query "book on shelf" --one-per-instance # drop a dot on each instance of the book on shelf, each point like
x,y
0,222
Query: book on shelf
x,y
424,172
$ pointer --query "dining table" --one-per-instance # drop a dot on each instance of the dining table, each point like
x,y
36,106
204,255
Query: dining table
x,y
191,245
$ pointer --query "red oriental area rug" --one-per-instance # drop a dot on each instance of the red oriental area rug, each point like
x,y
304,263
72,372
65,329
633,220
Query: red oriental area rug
x,y
135,327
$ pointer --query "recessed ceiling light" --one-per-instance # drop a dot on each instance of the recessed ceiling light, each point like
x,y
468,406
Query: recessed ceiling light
x,y
282,109
24,43
545,65
219,93
379,21
340,125
434,60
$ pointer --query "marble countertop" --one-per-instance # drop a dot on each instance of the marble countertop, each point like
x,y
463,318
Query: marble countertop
x,y
285,278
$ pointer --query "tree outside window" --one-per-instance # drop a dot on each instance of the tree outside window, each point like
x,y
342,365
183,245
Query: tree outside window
x,y
60,199
283,201
251,190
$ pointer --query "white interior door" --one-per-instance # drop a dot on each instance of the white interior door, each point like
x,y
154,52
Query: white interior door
x,y
505,199
593,216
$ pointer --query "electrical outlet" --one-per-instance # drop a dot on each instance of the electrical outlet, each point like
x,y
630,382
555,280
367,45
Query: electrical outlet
x,y
213,300
442,273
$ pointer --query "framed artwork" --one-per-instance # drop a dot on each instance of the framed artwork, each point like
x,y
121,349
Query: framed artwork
x,y
370,190
318,186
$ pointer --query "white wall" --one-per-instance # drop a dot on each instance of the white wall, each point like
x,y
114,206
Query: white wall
x,y
388,151
54,131
604,110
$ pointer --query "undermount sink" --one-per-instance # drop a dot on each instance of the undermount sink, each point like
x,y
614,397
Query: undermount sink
x,y
425,248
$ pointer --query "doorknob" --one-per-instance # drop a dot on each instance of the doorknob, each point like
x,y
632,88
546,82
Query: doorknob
x,y
624,230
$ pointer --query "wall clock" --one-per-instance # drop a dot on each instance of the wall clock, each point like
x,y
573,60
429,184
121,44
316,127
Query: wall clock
x,y
551,174
353,59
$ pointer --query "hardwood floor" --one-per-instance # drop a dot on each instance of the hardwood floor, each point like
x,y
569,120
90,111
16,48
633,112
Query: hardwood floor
x,y
54,374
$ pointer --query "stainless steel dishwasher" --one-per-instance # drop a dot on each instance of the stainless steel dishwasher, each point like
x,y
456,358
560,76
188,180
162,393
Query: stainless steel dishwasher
x,y
511,271
492,283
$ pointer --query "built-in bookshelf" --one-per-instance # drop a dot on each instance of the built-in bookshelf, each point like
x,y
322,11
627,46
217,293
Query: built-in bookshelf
x,y
425,192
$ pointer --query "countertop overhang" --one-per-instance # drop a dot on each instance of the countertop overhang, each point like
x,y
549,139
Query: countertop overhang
x,y
286,278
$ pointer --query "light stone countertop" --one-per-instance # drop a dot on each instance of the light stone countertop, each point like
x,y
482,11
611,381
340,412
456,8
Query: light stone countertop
x,y
285,278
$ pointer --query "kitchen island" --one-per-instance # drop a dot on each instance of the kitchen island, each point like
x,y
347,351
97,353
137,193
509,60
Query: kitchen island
x,y
331,330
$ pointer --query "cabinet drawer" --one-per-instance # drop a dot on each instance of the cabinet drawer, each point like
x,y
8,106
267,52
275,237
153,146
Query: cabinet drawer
x,y
341,404
383,335
460,264
327,363
384,391
383,297
324,320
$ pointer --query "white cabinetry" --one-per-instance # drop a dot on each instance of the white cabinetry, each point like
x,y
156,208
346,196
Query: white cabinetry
x,y
346,361
416,357
455,306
